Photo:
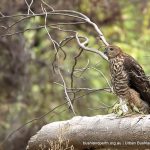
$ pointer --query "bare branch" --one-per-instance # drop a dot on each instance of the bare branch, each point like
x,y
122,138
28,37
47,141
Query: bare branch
x,y
103,107
68,13
65,90
47,5
103,77
99,71
82,45
55,47
73,68
2,14
29,6
31,121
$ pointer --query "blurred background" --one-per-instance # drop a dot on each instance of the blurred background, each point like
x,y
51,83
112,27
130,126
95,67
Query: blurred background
x,y
27,80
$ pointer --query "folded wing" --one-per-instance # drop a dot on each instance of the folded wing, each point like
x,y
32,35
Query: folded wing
x,y
137,78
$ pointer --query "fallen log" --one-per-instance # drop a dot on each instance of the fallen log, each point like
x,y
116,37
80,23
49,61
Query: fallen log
x,y
97,132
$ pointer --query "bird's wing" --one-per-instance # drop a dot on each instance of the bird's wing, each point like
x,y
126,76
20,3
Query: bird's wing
x,y
137,78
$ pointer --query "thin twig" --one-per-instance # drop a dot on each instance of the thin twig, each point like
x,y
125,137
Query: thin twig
x,y
29,7
82,45
73,14
52,9
73,68
33,120
103,77
65,90
2,14
54,26
64,83
103,107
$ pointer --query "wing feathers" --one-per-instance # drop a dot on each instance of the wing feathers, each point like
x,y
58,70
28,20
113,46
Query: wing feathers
x,y
137,78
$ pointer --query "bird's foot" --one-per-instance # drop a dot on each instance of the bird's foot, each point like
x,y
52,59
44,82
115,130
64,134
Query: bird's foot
x,y
124,107
120,109
136,110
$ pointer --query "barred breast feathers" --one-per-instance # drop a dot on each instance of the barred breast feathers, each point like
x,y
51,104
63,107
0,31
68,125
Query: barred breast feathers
x,y
119,76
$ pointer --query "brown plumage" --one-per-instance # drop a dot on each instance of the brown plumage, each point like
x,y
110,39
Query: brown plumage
x,y
128,78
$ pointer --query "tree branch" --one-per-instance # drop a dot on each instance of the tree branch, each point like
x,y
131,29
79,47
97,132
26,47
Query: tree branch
x,y
100,131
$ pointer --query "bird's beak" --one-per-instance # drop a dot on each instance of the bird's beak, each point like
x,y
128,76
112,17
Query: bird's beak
x,y
106,51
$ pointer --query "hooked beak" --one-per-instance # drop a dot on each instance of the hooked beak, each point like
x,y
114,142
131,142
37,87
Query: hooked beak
x,y
106,51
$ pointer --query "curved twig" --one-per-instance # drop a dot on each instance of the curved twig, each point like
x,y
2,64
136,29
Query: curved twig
x,y
82,45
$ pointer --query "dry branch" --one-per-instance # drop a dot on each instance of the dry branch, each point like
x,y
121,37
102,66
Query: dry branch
x,y
102,131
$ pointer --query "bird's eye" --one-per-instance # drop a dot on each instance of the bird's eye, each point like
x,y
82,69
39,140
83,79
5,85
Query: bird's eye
x,y
111,49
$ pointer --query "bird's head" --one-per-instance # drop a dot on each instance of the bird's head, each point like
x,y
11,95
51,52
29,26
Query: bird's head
x,y
111,51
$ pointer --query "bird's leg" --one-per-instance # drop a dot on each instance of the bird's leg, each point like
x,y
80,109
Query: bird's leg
x,y
121,108
123,105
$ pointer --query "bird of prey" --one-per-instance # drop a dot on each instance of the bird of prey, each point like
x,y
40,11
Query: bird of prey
x,y
128,79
